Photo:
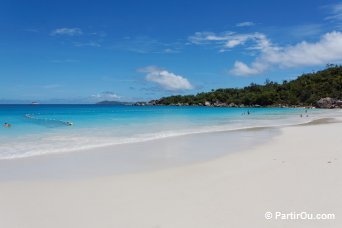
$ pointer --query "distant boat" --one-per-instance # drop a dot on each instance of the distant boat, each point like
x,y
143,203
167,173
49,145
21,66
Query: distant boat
x,y
35,103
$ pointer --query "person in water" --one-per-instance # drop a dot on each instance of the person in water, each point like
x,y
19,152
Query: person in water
x,y
28,116
7,125
68,123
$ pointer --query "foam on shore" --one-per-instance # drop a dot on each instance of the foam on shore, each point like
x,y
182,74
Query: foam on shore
x,y
62,143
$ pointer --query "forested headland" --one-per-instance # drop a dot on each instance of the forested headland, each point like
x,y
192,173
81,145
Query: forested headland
x,y
306,90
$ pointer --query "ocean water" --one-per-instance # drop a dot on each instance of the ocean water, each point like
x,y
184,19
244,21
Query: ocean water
x,y
42,129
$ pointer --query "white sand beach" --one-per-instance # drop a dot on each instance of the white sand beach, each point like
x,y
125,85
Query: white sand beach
x,y
298,170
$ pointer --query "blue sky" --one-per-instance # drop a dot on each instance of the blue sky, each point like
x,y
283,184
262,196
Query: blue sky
x,y
81,52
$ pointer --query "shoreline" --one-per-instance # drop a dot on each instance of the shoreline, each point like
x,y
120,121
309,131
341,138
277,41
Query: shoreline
x,y
165,135
146,156
135,157
297,170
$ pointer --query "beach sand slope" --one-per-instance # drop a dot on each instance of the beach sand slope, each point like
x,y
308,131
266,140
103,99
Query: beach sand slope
x,y
298,171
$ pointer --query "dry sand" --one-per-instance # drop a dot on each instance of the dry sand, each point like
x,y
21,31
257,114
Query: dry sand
x,y
298,170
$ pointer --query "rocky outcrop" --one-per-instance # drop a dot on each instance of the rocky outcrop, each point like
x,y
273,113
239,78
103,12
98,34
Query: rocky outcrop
x,y
207,103
329,102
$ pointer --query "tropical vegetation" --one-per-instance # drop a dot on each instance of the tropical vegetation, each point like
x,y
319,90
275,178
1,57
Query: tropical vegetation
x,y
306,90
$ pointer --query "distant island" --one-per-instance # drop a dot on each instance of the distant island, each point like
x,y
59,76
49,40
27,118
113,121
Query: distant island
x,y
321,89
114,103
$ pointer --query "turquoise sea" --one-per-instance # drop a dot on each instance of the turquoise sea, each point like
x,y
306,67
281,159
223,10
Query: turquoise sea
x,y
46,131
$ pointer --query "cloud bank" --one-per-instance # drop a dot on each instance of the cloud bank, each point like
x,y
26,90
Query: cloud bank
x,y
328,49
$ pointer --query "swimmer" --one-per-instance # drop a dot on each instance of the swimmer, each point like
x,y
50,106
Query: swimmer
x,y
68,123
7,125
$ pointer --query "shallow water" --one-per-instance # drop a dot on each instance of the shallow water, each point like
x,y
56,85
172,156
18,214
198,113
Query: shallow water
x,y
97,126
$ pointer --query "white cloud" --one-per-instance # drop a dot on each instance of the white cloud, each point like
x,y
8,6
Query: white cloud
x,y
147,45
245,24
228,40
335,12
327,50
170,50
207,37
243,69
166,79
107,95
67,32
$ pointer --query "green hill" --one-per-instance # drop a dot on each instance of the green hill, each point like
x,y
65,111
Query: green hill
x,y
306,90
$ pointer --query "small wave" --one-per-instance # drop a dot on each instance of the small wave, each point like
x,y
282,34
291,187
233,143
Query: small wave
x,y
48,122
53,144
